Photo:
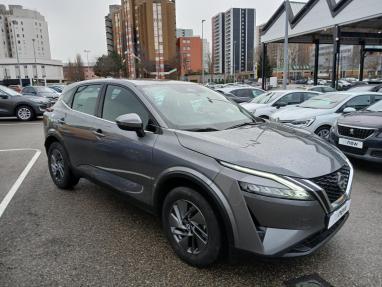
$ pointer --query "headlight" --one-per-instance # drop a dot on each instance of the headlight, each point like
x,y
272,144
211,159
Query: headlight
x,y
282,188
305,123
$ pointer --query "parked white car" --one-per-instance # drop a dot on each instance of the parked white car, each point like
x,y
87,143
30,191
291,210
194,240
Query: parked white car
x,y
320,113
265,105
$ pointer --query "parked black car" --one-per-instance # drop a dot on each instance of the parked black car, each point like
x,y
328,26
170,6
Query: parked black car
x,y
359,134
219,178
41,91
25,108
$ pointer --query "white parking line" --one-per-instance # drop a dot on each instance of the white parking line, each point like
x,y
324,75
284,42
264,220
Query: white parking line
x,y
7,199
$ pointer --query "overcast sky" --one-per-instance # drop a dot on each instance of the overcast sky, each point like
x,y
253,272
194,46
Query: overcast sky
x,y
75,25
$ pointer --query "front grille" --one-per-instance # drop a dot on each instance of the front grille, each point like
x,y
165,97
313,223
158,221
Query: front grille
x,y
357,133
334,184
353,150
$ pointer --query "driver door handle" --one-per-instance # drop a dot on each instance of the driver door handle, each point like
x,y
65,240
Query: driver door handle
x,y
99,133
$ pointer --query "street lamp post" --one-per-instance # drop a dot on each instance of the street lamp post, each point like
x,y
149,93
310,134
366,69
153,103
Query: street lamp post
x,y
203,51
14,22
87,59
286,55
35,60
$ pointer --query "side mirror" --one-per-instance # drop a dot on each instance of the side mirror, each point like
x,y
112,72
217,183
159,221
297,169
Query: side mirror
x,y
349,110
131,122
280,105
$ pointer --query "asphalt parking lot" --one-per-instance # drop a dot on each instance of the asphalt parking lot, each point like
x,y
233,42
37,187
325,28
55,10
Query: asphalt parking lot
x,y
91,236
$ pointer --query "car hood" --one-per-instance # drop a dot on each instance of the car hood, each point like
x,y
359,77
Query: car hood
x,y
32,98
297,113
268,147
363,119
50,95
251,106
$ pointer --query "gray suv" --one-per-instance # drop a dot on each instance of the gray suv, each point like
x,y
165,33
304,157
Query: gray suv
x,y
219,178
25,108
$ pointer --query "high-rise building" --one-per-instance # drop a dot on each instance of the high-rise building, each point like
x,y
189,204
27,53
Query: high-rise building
x,y
239,40
25,48
109,27
144,34
184,33
218,41
190,55
234,41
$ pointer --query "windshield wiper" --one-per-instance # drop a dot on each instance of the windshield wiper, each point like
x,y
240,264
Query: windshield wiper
x,y
242,125
203,130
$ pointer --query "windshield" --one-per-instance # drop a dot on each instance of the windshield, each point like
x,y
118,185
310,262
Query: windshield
x,y
377,107
267,98
196,108
44,90
328,101
9,91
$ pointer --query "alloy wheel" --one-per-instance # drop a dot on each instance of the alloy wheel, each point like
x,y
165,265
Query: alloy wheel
x,y
57,165
188,226
324,133
24,114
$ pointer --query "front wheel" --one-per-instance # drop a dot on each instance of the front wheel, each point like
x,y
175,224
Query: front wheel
x,y
191,227
323,132
59,167
25,113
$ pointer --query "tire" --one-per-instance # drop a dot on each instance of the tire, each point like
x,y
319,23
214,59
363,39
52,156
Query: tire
x,y
193,232
323,132
59,167
25,113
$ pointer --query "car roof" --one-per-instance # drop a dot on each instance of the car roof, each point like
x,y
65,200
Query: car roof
x,y
143,82
233,88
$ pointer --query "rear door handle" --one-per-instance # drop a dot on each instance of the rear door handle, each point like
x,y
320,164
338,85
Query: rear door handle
x,y
99,133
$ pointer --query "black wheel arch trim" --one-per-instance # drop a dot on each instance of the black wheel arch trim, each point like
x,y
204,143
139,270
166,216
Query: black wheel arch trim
x,y
224,209
52,135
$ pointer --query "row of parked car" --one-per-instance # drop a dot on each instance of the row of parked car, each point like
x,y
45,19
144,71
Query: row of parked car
x,y
351,120
29,102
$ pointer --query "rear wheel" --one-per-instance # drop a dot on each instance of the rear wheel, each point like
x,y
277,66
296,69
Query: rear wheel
x,y
323,132
191,226
25,113
59,167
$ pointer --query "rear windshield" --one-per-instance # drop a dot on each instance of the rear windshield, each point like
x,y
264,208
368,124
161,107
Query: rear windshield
x,y
9,91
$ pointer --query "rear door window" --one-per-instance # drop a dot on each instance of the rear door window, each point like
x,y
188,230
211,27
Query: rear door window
x,y
85,99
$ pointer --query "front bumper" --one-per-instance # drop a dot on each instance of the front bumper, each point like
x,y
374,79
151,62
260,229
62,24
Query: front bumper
x,y
275,227
371,151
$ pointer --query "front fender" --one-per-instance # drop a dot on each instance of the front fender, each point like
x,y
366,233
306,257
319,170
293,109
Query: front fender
x,y
209,186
